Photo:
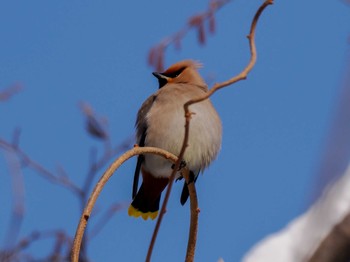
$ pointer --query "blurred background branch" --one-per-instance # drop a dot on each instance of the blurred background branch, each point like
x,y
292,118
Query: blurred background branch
x,y
19,160
202,23
7,93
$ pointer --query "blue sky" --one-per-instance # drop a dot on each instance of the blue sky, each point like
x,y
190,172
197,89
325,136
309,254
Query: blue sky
x,y
275,123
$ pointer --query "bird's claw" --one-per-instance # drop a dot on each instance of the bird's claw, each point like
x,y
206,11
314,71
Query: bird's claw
x,y
182,165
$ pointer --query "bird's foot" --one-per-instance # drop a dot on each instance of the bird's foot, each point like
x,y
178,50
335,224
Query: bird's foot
x,y
182,165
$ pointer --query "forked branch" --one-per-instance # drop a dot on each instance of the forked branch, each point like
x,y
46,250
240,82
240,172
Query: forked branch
x,y
194,206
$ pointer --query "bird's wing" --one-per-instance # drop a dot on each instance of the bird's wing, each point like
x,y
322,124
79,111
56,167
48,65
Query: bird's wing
x,y
141,131
140,159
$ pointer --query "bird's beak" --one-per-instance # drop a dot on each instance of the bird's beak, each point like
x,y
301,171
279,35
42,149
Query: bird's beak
x,y
159,75
162,79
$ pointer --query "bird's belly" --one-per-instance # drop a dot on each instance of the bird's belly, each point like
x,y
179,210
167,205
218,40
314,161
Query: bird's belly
x,y
168,133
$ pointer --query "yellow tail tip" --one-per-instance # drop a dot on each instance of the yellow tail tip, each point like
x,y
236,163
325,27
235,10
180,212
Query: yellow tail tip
x,y
133,212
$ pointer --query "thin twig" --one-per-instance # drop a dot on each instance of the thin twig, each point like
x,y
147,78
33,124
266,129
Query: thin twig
x,y
243,75
99,186
192,234
9,92
95,166
188,114
192,239
166,198
18,190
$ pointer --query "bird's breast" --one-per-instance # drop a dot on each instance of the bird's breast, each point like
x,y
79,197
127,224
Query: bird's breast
x,y
166,129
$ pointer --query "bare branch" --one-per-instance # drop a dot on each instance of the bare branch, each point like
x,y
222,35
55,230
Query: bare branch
x,y
18,206
99,186
192,237
241,76
96,165
9,92
166,198
95,126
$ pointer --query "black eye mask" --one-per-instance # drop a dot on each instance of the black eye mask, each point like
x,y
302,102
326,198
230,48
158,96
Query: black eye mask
x,y
162,77
174,74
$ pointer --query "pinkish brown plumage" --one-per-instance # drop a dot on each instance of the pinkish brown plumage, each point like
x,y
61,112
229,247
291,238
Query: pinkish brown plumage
x,y
160,123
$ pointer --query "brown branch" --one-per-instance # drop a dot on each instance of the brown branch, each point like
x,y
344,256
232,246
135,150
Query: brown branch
x,y
166,198
95,166
95,126
241,76
336,246
18,206
99,186
192,237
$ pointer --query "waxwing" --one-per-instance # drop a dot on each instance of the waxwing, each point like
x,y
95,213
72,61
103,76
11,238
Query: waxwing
x,y
160,123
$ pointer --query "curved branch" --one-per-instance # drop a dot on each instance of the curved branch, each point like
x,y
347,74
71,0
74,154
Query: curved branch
x,y
243,75
194,202
99,186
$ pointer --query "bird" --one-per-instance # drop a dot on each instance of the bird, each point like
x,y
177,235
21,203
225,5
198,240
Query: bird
x,y
160,123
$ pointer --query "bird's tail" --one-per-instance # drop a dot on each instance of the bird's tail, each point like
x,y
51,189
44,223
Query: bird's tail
x,y
146,201
144,206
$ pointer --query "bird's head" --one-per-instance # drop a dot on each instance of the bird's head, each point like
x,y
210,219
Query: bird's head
x,y
184,72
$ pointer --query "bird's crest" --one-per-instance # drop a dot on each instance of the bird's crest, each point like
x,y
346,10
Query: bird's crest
x,y
179,66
